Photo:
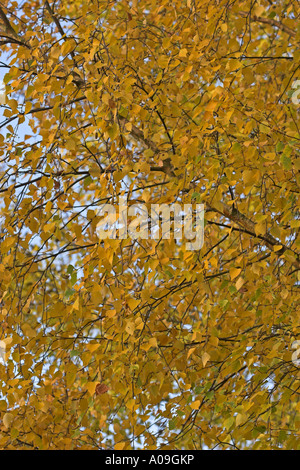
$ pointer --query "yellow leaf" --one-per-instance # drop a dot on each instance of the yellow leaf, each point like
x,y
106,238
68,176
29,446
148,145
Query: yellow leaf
x,y
239,283
8,340
153,342
129,328
92,347
76,304
195,404
214,340
260,228
91,386
28,330
70,144
133,303
190,352
130,404
7,419
66,47
248,176
3,405
205,358
111,313
119,446
49,227
183,53
234,272
239,419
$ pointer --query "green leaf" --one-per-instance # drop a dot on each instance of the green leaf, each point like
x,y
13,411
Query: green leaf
x,y
69,292
172,424
70,269
74,353
286,162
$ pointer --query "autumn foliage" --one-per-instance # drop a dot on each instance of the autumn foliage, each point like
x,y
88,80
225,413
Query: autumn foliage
x,y
123,343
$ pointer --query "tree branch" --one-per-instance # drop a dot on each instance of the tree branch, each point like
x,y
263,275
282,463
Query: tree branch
x,y
271,22
7,26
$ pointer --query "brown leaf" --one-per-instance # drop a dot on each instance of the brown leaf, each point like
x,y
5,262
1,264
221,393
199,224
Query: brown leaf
x,y
100,389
